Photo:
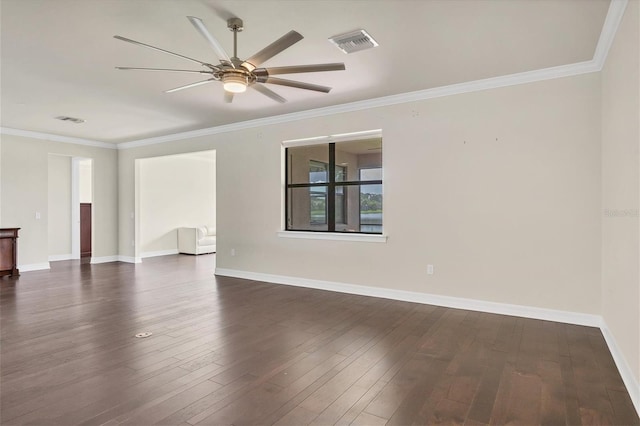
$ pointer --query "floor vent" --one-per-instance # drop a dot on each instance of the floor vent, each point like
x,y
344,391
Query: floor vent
x,y
71,119
354,41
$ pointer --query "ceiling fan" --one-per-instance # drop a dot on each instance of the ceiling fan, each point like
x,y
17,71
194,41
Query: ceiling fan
x,y
236,74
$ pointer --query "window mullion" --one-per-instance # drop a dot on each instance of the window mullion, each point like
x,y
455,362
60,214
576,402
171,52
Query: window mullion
x,y
331,189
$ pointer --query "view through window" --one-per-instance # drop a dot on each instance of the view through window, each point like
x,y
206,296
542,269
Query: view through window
x,y
335,187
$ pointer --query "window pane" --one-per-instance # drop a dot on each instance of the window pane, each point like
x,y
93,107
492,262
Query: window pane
x,y
357,200
318,172
307,209
318,205
341,206
308,164
371,208
371,173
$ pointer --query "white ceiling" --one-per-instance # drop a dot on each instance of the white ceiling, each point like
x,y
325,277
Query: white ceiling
x,y
58,56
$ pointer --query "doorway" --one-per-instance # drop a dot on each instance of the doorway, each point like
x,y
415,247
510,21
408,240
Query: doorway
x,y
85,230
70,193
82,208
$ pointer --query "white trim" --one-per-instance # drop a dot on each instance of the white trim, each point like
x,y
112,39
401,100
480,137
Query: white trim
x,y
629,379
609,30
55,138
103,259
34,267
58,257
424,298
334,236
129,259
107,259
437,92
146,254
342,137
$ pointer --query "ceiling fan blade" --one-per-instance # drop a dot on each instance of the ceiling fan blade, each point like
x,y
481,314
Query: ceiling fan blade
x,y
296,84
217,47
287,40
162,69
199,83
228,97
268,92
128,40
300,69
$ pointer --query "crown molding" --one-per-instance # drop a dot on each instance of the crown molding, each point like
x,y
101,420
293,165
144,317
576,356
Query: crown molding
x,y
420,95
609,30
55,138
607,35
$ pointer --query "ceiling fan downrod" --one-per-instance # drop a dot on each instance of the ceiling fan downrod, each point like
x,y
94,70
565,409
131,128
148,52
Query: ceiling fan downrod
x,y
235,25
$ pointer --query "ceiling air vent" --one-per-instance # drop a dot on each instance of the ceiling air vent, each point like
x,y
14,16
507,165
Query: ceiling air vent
x,y
354,41
71,119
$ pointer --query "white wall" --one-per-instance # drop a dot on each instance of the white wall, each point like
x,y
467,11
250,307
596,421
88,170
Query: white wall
x,y
24,190
499,189
59,205
621,190
175,191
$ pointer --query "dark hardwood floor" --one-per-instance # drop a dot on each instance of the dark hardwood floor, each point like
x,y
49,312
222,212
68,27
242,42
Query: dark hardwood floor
x,y
228,351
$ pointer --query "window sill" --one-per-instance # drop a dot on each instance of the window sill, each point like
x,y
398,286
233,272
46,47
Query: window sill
x,y
335,236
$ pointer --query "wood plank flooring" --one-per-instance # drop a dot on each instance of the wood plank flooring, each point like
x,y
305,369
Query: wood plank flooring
x,y
236,352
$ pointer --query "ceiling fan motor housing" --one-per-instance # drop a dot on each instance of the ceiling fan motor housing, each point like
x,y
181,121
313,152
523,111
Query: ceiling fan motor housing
x,y
235,24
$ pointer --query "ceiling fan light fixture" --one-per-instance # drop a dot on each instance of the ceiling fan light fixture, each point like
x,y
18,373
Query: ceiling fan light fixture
x,y
235,82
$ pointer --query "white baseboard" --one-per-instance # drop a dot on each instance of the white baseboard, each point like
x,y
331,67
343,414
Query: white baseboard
x,y
629,379
34,267
107,259
425,298
58,257
103,259
158,253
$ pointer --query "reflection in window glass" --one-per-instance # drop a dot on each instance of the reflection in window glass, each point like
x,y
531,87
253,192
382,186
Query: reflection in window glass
x,y
374,173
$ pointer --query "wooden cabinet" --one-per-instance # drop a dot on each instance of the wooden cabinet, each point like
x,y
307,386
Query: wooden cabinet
x,y
9,251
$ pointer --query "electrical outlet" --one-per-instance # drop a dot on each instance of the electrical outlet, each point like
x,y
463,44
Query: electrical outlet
x,y
430,269
233,252
38,216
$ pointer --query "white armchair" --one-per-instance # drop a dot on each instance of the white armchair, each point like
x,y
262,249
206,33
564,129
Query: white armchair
x,y
198,240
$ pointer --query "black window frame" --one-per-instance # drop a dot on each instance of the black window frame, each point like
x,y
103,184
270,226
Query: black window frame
x,y
331,193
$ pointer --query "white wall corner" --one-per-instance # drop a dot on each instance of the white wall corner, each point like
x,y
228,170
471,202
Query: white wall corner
x,y
59,257
146,254
609,30
629,379
129,259
103,259
34,267
107,259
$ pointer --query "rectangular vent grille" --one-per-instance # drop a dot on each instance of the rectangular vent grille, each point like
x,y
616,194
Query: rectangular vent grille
x,y
71,119
354,41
